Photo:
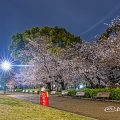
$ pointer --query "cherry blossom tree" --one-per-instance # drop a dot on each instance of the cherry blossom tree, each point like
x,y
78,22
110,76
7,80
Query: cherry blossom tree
x,y
96,63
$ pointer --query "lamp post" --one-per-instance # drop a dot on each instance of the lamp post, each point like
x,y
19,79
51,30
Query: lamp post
x,y
5,66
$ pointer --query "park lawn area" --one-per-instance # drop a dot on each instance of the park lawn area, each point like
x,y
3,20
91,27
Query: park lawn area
x,y
14,109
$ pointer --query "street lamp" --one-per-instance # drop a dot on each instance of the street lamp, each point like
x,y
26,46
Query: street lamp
x,y
81,86
5,66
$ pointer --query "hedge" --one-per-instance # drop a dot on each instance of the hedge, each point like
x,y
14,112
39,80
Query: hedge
x,y
71,92
28,90
18,90
90,93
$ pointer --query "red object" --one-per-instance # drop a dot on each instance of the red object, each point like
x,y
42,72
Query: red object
x,y
44,98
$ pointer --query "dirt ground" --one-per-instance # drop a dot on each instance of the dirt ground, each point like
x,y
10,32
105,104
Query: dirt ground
x,y
89,108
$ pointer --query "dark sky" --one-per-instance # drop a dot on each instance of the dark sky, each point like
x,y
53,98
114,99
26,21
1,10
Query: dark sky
x,y
81,17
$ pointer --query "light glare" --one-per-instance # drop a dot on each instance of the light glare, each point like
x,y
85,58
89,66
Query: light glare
x,y
6,66
81,86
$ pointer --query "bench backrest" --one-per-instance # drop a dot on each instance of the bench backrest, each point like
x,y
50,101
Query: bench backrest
x,y
53,92
35,91
103,94
64,92
26,90
80,93
31,91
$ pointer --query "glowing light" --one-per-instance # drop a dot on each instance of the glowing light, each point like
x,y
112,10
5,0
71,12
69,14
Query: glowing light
x,y
81,86
23,65
6,65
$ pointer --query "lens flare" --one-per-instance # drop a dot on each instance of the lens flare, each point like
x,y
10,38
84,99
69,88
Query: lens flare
x,y
81,86
6,65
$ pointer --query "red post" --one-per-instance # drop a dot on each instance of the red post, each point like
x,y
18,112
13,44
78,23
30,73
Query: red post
x,y
44,98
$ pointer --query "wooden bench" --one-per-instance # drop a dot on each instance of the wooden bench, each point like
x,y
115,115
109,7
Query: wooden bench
x,y
52,92
64,93
102,95
80,94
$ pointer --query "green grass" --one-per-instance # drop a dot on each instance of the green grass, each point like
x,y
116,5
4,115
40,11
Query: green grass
x,y
14,109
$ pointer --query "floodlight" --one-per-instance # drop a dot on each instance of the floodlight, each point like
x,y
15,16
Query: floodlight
x,y
81,86
6,65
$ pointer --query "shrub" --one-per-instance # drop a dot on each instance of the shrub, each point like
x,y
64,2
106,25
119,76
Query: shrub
x,y
18,90
71,92
90,93
36,91
115,94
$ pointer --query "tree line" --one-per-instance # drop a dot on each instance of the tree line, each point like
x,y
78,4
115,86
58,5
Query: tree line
x,y
62,59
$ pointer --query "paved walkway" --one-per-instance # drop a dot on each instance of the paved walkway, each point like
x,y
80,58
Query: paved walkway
x,y
94,109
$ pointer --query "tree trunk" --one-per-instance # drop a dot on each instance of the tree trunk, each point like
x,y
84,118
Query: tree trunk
x,y
62,85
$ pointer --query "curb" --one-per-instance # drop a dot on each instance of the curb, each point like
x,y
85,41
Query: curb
x,y
117,101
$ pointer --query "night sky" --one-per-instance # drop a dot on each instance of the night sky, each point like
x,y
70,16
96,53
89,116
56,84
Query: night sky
x,y
81,17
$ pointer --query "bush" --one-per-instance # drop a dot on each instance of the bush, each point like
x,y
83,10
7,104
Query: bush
x,y
90,93
36,91
115,94
71,92
18,90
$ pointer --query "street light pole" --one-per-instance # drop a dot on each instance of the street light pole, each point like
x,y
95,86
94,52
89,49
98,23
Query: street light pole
x,y
6,66
5,80
4,85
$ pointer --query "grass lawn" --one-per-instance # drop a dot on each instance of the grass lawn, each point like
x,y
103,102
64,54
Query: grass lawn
x,y
14,109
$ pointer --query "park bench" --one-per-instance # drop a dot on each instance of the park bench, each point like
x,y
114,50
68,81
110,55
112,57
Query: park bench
x,y
26,91
64,93
36,91
31,91
23,91
102,95
52,92
80,94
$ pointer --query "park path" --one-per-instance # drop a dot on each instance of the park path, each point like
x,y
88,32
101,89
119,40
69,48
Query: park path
x,y
89,108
